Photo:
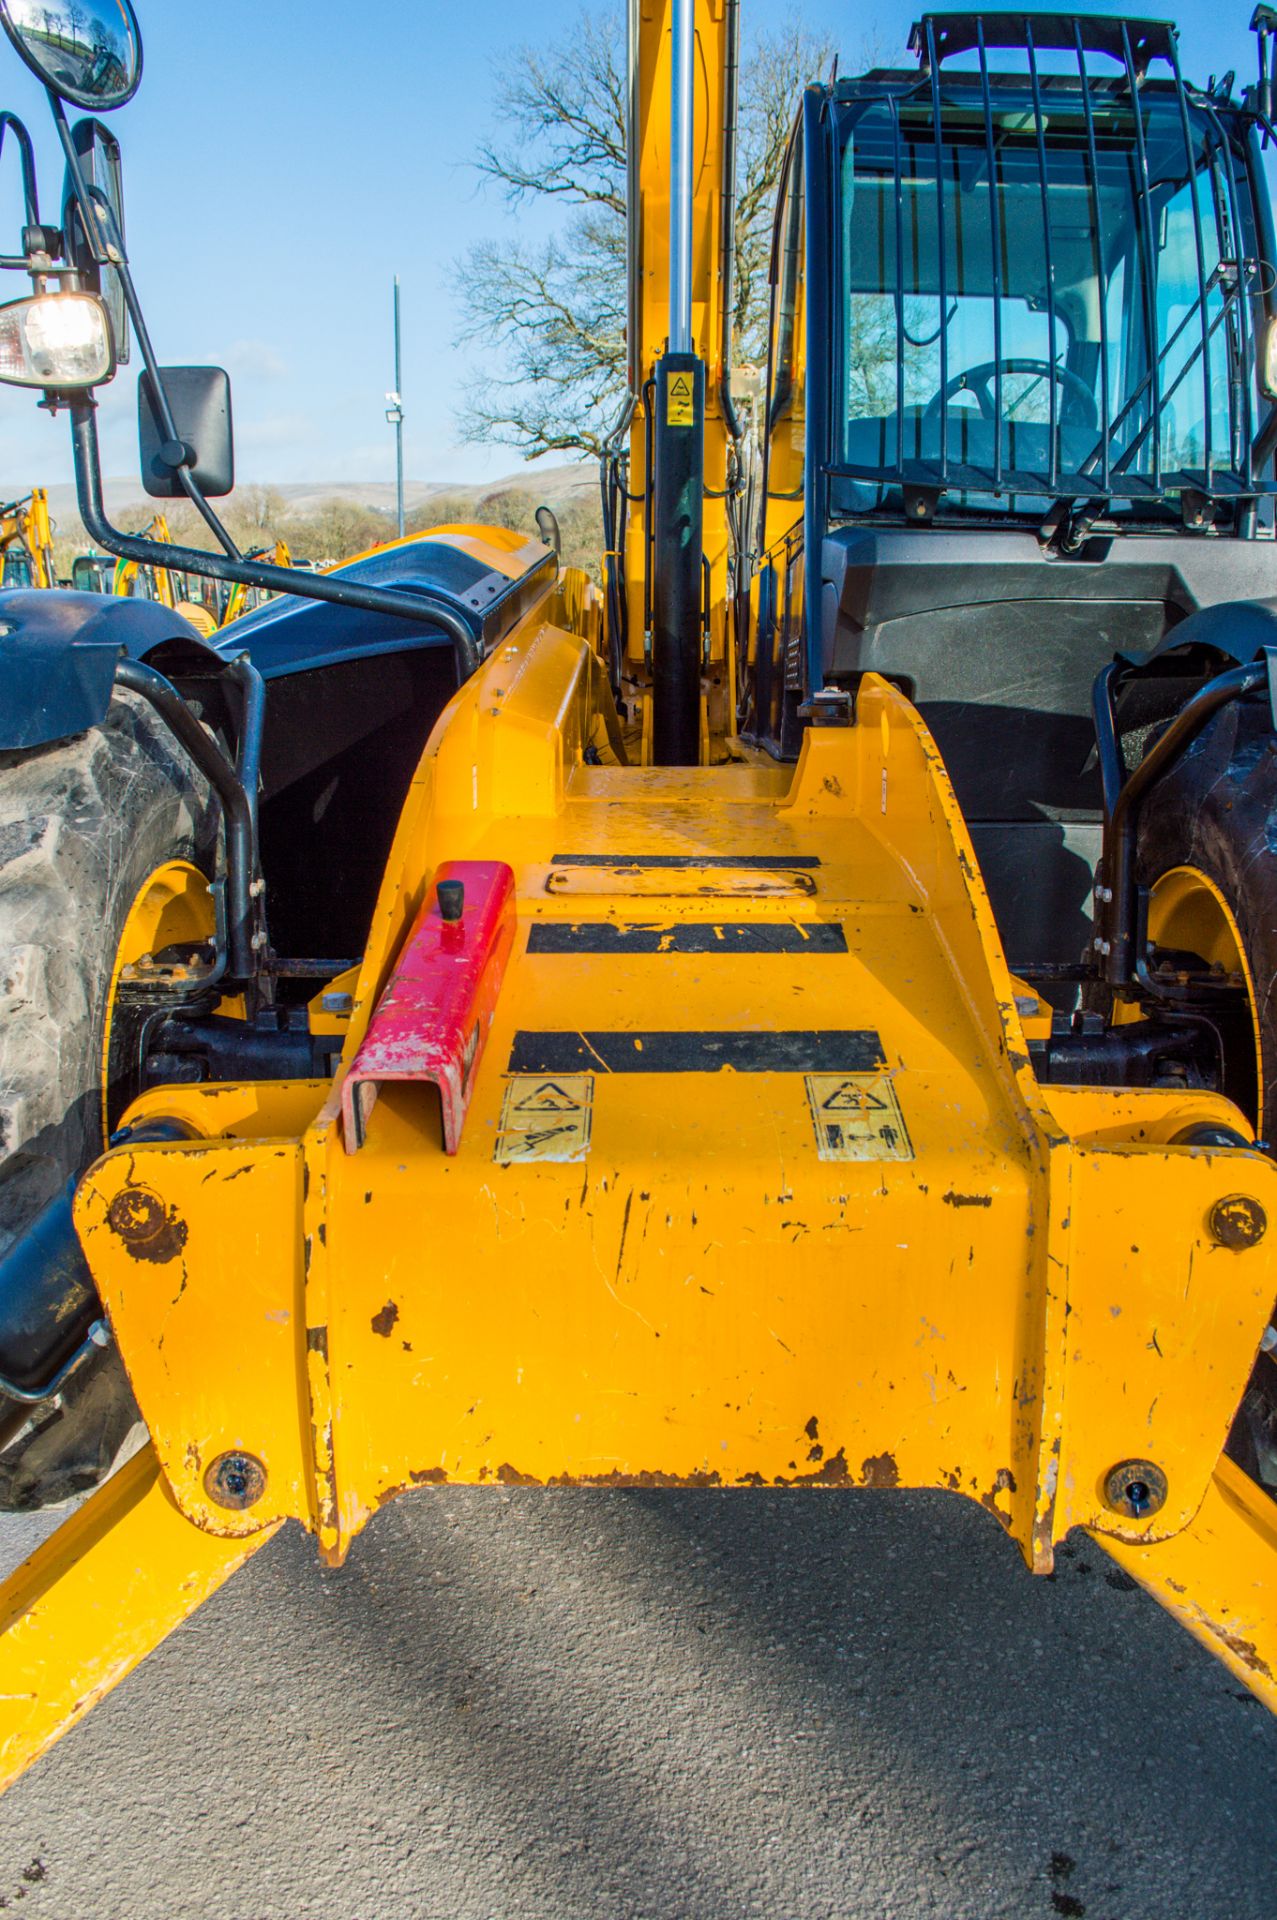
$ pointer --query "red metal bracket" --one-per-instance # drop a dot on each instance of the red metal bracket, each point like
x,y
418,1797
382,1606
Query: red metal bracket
x,y
432,1021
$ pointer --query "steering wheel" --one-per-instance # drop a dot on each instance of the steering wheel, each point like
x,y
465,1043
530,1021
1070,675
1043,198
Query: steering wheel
x,y
979,380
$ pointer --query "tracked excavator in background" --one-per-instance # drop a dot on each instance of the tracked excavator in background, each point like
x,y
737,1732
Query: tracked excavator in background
x,y
799,1016
26,542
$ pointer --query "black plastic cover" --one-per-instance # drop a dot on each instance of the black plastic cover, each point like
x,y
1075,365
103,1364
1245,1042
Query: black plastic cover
x,y
58,654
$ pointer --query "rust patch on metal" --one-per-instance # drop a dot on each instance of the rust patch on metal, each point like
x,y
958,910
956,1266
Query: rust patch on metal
x,y
384,1321
511,1477
317,1341
952,1199
1243,1650
429,1477
880,1470
618,1477
1003,1482
148,1229
833,1472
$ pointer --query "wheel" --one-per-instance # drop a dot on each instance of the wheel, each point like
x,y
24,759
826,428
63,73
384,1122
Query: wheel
x,y
96,836
1207,850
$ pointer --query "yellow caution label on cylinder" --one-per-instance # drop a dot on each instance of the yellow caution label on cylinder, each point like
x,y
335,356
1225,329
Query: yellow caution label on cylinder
x,y
680,399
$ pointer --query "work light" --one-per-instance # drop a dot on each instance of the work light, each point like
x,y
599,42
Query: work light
x,y
55,340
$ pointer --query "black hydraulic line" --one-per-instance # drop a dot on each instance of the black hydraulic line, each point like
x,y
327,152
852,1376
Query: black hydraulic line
x,y
727,257
406,604
649,530
50,1317
1108,751
1118,866
245,920
251,688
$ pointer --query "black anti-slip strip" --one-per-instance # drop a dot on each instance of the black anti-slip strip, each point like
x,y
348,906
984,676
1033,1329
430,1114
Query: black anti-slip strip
x,y
760,861
846,1051
699,937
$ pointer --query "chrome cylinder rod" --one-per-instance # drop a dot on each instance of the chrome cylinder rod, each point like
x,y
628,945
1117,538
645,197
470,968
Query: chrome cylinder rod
x,y
682,67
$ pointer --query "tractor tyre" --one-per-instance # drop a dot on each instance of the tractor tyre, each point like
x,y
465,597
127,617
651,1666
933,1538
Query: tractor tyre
x,y
1207,851
83,823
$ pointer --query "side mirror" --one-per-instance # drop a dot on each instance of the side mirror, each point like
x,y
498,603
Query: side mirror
x,y
98,153
90,56
200,402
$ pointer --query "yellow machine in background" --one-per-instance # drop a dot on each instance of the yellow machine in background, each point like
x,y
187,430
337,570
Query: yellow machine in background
x,y
243,598
26,542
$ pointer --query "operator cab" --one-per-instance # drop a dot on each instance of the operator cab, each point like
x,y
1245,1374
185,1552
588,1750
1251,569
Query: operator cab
x,y
1018,411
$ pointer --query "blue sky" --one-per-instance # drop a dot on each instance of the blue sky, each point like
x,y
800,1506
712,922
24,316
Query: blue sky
x,y
276,179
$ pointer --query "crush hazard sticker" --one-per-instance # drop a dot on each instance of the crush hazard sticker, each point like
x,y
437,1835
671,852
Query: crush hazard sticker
x,y
857,1117
680,399
545,1117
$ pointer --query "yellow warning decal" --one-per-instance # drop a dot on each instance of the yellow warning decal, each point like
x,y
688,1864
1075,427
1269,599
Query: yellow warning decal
x,y
545,1117
680,400
857,1117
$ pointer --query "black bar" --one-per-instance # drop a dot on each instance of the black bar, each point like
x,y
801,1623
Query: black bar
x,y
768,862
1243,294
940,252
1101,269
1150,257
1053,399
406,605
1051,30
26,156
900,287
995,243
1108,750
1190,160
854,1050
716,939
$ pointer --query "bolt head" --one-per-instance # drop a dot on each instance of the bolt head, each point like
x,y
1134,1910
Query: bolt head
x,y
235,1480
1135,1489
136,1214
1237,1222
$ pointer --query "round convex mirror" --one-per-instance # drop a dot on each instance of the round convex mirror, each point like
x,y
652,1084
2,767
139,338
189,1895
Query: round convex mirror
x,y
88,51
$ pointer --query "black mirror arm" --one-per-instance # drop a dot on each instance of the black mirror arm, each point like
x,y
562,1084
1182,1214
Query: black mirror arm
x,y
107,244
406,604
26,152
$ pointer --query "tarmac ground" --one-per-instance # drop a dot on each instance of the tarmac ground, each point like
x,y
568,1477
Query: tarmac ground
x,y
631,1705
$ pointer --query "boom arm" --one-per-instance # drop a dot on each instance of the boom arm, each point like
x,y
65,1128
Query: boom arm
x,y
682,114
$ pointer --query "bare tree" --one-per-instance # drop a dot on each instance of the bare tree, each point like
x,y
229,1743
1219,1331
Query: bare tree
x,y
555,311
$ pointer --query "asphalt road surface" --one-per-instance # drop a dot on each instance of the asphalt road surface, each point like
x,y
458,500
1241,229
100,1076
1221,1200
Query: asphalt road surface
x,y
632,1705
